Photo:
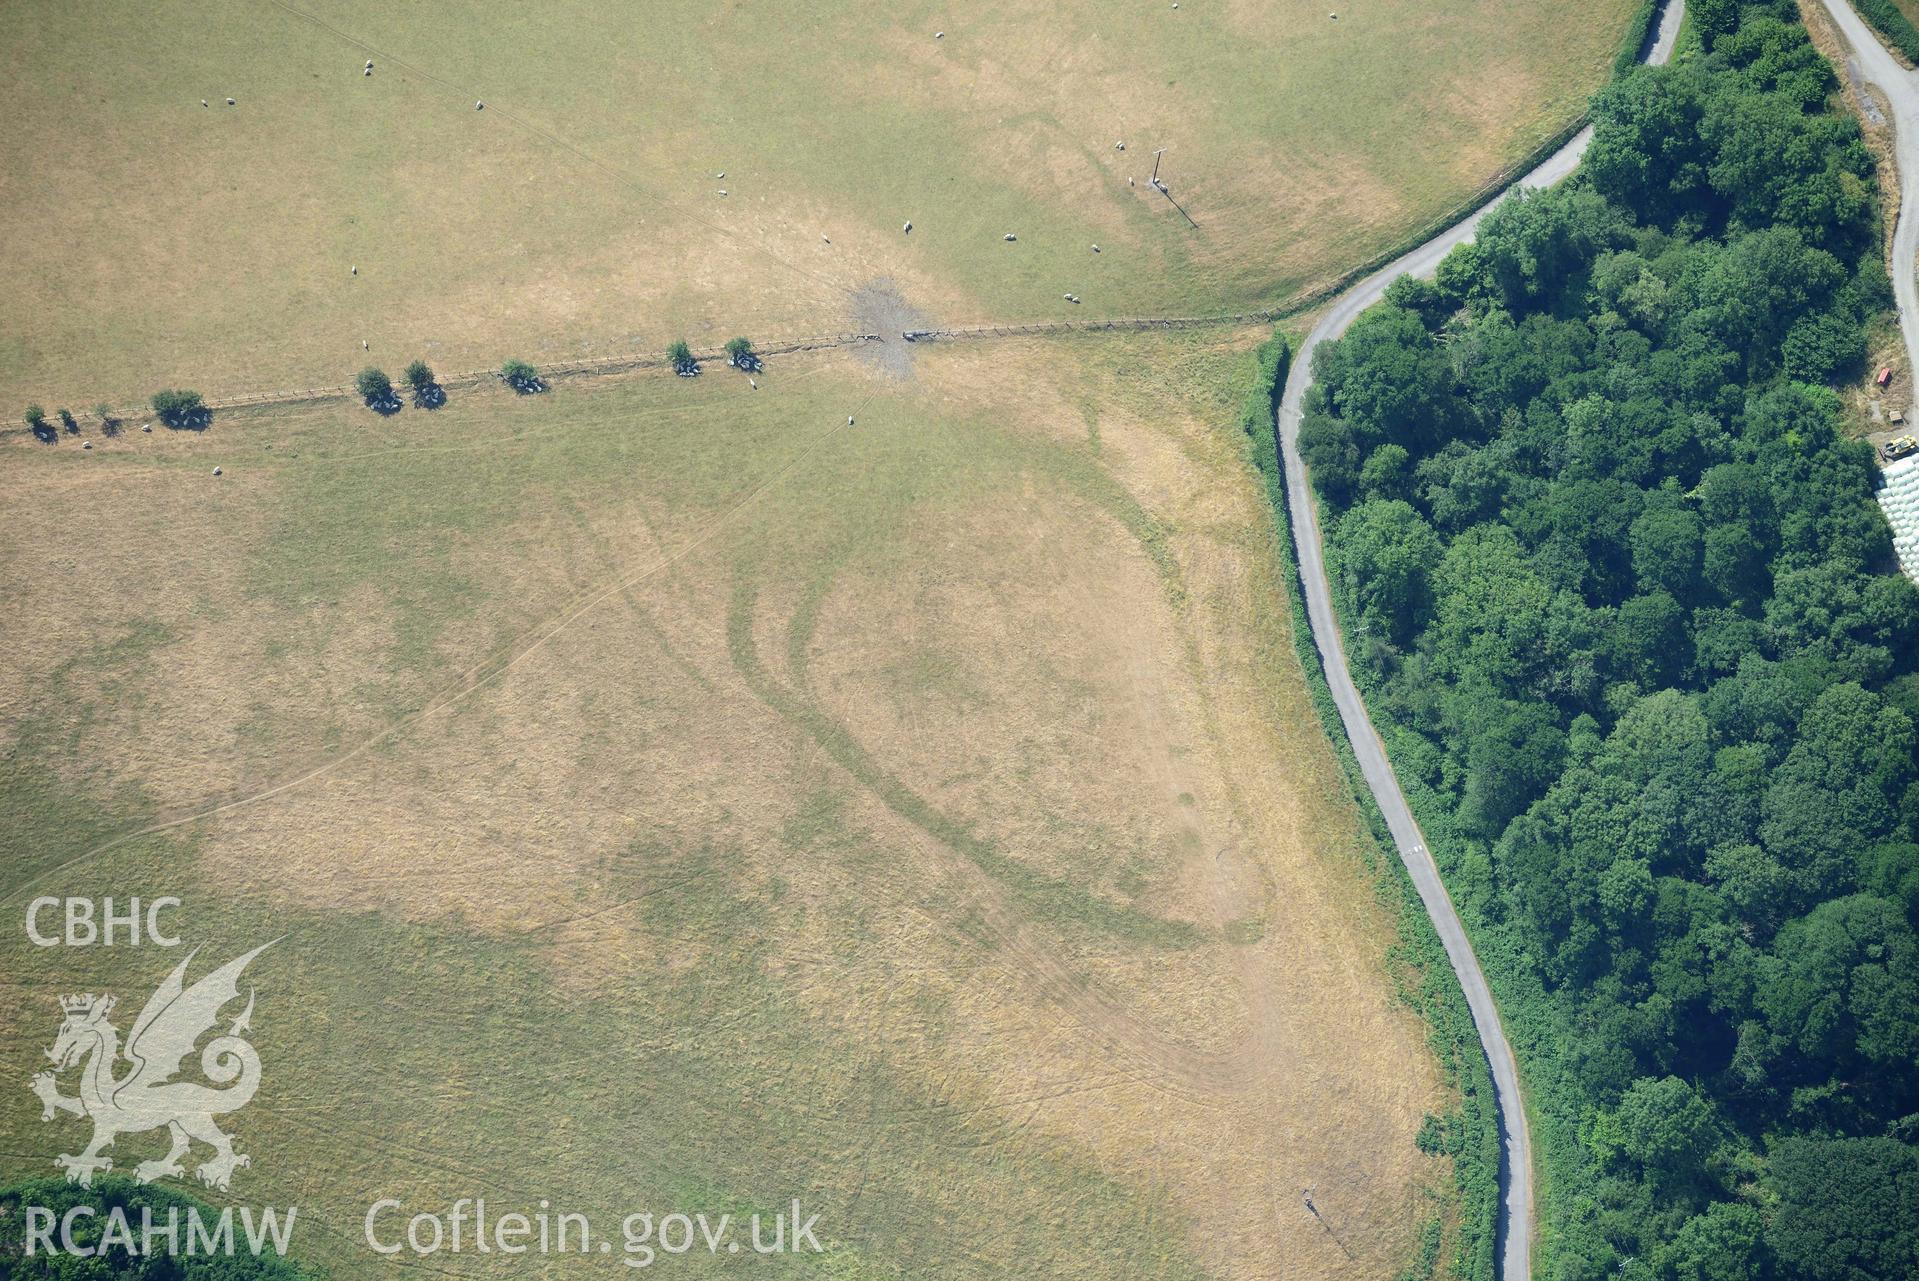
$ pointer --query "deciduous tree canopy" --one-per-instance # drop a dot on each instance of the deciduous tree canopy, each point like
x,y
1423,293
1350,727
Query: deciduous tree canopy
x,y
1619,591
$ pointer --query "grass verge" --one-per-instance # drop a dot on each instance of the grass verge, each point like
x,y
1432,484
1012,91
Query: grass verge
x,y
1470,1135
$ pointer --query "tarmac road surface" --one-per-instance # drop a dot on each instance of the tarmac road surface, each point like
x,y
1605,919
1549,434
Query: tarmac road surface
x,y
1900,89
1515,1230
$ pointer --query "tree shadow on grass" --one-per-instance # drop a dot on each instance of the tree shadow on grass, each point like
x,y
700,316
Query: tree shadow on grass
x,y
189,419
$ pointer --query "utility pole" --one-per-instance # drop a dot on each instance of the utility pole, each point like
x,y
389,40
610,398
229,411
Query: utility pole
x,y
1161,188
1306,1195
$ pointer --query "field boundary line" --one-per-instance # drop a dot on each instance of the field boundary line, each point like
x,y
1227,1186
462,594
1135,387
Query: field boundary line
x,y
559,369
1481,197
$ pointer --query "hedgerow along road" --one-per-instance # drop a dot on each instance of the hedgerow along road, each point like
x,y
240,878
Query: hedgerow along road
x,y
1515,1224
1900,88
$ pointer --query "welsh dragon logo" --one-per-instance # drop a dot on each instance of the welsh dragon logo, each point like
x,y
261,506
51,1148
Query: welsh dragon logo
x,y
144,1096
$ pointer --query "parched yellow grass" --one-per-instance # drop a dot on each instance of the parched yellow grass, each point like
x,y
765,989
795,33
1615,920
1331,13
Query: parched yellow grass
x,y
153,241
673,797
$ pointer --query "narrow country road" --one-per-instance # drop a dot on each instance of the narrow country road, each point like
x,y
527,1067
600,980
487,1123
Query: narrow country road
x,y
1900,89
1515,1230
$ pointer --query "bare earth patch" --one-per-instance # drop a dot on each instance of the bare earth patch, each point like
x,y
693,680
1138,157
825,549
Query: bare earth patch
x,y
136,217
880,308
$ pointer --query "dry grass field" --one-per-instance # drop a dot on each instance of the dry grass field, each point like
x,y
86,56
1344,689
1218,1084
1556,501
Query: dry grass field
x,y
673,797
891,789
155,242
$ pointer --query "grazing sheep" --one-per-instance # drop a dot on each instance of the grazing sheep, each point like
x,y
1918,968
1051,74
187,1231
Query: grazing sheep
x,y
1119,146
907,227
203,102
356,271
825,240
216,471
369,71
754,382
479,106
363,345
720,174
722,191
939,35
1009,236
229,102
849,420
1095,248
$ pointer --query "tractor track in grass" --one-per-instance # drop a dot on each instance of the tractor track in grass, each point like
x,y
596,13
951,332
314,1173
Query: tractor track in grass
x,y
1515,1231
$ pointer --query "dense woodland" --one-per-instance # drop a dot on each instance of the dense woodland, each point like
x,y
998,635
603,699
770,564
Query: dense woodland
x,y
1613,577
96,1229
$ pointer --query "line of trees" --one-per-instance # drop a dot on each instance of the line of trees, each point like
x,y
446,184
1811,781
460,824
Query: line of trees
x,y
44,431
377,389
187,409
183,409
1618,590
